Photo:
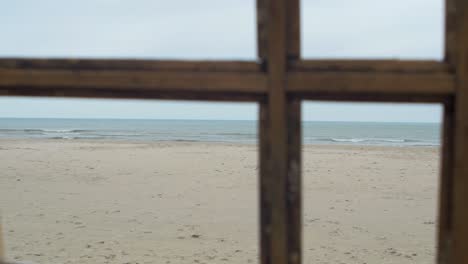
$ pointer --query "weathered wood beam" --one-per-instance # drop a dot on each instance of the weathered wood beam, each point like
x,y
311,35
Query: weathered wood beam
x,y
380,80
278,23
135,81
132,79
129,65
262,30
329,78
281,243
450,54
294,180
265,181
294,141
341,84
265,184
277,112
293,30
371,66
444,238
459,217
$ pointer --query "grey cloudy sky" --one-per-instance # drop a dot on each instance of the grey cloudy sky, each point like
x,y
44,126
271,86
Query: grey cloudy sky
x,y
214,29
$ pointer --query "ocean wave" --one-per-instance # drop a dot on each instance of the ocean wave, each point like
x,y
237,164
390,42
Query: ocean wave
x,y
182,140
67,130
111,135
10,130
76,137
356,140
36,130
235,134
379,141
63,137
164,133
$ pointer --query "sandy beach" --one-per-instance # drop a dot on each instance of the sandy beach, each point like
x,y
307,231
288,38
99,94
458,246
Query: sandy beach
x,y
66,201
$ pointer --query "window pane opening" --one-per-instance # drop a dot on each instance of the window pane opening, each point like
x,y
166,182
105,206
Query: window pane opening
x,y
140,29
370,180
111,188
366,29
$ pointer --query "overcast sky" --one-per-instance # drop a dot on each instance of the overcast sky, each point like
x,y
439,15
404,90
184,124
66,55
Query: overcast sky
x,y
214,29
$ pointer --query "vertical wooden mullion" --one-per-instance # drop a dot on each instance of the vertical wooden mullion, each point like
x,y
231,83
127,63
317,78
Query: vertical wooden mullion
x,y
293,108
276,69
450,32
280,198
265,183
293,28
262,32
294,181
446,186
446,202
458,58
293,184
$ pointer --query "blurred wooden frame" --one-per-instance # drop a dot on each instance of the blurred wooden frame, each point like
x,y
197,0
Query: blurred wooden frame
x,y
278,81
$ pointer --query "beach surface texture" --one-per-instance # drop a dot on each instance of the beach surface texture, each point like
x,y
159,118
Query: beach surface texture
x,y
77,201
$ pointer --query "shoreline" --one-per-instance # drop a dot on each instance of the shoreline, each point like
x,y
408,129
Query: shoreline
x,y
219,143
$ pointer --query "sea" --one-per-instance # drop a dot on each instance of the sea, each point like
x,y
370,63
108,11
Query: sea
x,y
243,132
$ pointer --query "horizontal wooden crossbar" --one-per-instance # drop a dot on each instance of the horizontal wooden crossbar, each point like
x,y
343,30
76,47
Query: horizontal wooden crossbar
x,y
388,66
368,80
130,65
381,80
132,79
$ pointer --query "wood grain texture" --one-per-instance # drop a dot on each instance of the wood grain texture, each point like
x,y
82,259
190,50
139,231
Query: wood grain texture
x,y
294,181
444,235
450,52
459,250
265,184
334,78
276,25
382,80
130,65
57,82
262,31
370,97
370,66
211,80
341,84
198,81
293,30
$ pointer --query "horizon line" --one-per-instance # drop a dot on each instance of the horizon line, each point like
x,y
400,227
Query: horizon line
x,y
201,119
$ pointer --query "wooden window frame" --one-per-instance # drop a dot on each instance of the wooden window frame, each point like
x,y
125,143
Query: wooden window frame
x,y
278,81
